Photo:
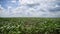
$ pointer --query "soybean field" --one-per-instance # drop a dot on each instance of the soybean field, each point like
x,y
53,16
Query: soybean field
x,y
29,25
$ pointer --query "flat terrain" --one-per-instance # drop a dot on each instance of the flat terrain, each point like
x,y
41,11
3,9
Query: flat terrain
x,y
29,25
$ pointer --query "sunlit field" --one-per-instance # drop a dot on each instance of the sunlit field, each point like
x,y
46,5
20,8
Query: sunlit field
x,y
29,25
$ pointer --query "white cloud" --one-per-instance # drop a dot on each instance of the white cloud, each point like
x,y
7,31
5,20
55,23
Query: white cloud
x,y
13,1
34,1
33,8
1,9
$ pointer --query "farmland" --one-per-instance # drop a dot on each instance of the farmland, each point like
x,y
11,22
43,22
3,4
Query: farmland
x,y
29,25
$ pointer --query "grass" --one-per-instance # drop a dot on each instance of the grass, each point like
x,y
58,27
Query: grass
x,y
29,25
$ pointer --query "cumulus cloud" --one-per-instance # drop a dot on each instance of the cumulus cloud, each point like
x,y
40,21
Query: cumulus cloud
x,y
1,9
13,1
34,8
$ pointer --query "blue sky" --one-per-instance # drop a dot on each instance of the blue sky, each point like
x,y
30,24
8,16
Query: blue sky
x,y
6,3
29,8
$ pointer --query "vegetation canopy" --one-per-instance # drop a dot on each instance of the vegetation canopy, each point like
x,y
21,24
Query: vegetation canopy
x,y
29,25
